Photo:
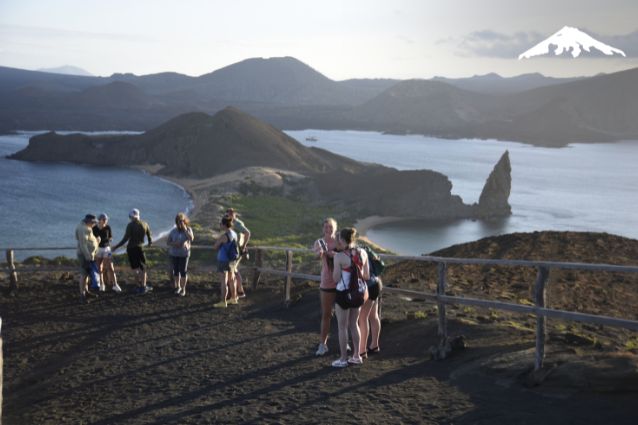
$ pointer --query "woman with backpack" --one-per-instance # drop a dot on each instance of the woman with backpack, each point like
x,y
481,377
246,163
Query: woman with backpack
x,y
326,248
351,270
369,321
227,255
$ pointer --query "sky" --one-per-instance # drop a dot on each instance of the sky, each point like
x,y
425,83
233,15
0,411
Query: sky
x,y
340,38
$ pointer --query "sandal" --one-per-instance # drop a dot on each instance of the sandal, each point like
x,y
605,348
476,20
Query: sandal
x,y
373,351
364,355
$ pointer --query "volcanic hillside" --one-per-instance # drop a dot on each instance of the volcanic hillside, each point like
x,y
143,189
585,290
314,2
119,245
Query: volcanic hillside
x,y
193,144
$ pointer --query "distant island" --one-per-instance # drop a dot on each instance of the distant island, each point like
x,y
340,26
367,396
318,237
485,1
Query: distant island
x,y
232,148
291,95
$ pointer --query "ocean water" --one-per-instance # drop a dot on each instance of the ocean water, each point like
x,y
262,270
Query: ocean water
x,y
582,187
41,203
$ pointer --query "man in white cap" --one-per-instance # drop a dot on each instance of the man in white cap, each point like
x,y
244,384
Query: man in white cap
x,y
136,230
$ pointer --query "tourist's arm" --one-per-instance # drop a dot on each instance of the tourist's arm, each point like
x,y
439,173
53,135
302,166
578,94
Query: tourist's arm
x,y
148,235
336,272
366,265
220,240
127,236
190,234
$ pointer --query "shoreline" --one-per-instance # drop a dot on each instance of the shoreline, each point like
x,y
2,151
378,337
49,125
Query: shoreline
x,y
363,225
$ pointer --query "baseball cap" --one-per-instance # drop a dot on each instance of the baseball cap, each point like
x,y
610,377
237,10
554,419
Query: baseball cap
x,y
89,218
135,213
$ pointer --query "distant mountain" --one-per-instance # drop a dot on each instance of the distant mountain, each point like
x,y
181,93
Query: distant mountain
x,y
289,94
495,84
67,70
570,40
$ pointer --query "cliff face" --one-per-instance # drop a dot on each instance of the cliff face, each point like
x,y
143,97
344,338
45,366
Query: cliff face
x,y
493,201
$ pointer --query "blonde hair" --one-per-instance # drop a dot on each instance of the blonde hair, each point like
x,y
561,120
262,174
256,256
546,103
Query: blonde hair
x,y
182,217
333,222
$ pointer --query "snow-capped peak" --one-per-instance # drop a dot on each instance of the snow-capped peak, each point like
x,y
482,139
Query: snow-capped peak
x,y
569,38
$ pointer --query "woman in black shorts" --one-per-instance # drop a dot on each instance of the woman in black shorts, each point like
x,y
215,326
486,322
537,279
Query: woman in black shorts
x,y
369,322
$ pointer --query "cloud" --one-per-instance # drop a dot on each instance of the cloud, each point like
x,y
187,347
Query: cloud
x,y
492,44
21,31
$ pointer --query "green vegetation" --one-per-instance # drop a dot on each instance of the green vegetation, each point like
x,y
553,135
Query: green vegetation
x,y
275,220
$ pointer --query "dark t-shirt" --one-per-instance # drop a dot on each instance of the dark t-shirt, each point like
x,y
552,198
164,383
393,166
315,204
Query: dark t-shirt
x,y
104,234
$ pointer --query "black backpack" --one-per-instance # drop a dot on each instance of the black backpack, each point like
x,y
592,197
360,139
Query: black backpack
x,y
376,263
357,292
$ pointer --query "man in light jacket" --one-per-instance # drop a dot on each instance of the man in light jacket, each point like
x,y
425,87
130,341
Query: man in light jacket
x,y
87,248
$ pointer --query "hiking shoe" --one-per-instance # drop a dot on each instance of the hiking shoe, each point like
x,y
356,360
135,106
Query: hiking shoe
x,y
340,363
355,360
90,294
221,304
182,292
178,291
233,301
321,350
117,288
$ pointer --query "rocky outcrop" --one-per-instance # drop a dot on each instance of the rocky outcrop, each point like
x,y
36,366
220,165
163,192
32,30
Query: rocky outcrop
x,y
493,201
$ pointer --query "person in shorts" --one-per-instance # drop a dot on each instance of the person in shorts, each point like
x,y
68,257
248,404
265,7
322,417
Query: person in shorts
x,y
326,248
243,235
104,259
135,233
87,248
179,242
225,266
369,321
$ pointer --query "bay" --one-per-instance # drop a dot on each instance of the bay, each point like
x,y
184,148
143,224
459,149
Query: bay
x,y
582,187
42,203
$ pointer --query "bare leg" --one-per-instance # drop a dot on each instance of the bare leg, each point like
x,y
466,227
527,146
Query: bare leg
x,y
224,285
363,325
100,266
83,284
353,321
184,280
232,284
342,324
327,302
375,326
238,280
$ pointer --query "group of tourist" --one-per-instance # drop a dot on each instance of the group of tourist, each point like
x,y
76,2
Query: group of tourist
x,y
94,237
339,254
337,251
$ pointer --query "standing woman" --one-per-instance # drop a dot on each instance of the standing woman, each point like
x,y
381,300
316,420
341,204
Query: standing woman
x,y
347,315
325,248
179,242
369,321
225,265
104,257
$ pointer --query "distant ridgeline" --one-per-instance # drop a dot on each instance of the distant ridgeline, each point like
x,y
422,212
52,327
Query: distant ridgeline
x,y
199,146
289,94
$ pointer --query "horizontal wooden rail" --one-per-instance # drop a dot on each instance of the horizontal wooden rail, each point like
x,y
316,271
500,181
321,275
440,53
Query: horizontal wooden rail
x,y
540,309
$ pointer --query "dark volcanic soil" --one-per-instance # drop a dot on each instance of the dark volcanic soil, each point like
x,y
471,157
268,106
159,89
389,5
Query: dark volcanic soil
x,y
158,358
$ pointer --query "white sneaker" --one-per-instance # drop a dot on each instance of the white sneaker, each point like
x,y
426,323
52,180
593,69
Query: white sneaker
x,y
182,293
117,288
102,287
340,363
321,350
178,291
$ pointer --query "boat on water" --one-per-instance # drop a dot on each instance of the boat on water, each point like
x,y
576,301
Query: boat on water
x,y
311,139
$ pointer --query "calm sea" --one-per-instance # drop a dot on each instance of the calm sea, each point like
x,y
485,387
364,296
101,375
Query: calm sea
x,y
582,187
41,203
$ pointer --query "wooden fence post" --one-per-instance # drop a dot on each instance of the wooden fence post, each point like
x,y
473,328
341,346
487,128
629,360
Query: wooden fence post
x,y
441,351
540,299
258,265
288,278
13,275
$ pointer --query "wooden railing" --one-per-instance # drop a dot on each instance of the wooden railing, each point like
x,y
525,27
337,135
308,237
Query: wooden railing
x,y
539,309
